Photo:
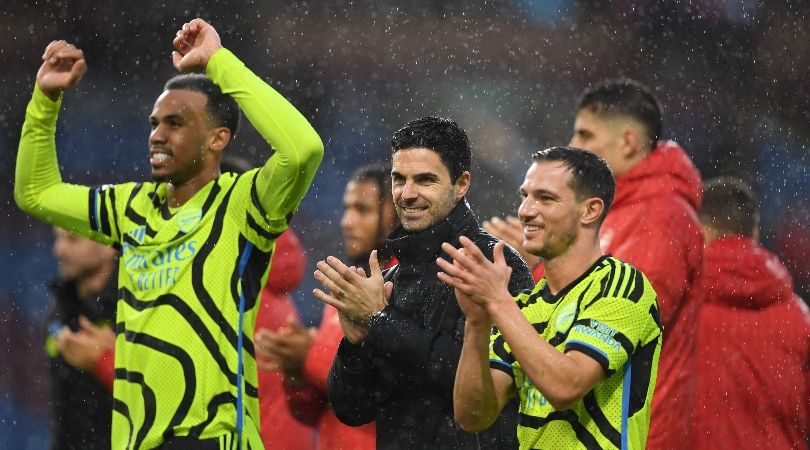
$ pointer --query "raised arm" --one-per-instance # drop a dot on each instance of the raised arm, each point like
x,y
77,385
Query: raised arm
x,y
38,186
287,174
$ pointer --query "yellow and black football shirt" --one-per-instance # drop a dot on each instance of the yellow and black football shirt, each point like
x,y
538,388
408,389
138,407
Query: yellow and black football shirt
x,y
611,314
183,272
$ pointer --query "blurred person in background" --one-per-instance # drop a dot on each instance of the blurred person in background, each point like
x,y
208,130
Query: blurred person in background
x,y
305,356
80,341
652,225
279,426
753,347
196,244
403,330
279,429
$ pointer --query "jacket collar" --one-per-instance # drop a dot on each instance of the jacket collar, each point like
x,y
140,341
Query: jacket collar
x,y
425,246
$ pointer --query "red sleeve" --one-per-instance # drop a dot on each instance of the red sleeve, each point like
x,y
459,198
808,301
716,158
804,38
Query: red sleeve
x,y
668,249
307,404
322,353
105,369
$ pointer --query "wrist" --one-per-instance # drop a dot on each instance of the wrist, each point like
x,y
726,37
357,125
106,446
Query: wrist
x,y
376,318
498,305
477,325
53,95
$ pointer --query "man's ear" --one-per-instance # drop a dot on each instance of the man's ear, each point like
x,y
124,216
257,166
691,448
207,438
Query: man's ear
x,y
592,209
219,138
636,143
462,184
631,143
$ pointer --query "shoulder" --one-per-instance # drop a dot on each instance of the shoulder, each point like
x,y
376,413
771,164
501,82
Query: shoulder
x,y
619,279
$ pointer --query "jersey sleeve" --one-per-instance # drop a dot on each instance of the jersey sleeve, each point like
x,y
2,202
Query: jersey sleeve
x,y
500,355
39,189
280,185
616,321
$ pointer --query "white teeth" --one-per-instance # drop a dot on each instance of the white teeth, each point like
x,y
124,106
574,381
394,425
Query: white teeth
x,y
531,228
159,157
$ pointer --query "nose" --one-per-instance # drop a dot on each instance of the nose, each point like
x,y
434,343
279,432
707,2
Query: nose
x,y
526,210
574,142
347,220
157,136
409,191
59,247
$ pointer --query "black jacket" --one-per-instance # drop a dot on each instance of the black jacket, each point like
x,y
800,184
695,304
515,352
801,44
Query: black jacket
x,y
402,375
81,408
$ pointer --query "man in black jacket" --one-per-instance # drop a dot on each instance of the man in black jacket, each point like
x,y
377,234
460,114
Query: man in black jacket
x,y
79,322
404,329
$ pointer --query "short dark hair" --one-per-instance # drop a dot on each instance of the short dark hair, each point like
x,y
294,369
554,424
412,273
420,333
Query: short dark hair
x,y
380,175
730,206
626,97
443,136
590,174
223,108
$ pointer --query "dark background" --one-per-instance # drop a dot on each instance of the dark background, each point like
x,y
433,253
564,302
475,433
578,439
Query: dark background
x,y
732,76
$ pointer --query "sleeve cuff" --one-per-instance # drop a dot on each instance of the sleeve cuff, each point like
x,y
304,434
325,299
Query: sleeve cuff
x,y
502,366
591,351
352,357
219,62
43,108
388,324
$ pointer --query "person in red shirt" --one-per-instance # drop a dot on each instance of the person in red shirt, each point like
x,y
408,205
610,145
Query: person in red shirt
x,y
753,351
305,356
279,428
652,225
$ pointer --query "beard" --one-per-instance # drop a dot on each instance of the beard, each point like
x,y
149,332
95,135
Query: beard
x,y
558,245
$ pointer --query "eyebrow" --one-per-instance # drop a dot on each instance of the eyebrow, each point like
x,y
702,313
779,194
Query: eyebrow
x,y
539,191
166,117
416,176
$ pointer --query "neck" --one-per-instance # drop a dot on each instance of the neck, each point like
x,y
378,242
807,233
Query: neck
x,y
179,194
564,269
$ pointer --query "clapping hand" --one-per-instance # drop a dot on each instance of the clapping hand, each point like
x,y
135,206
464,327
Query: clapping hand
x,y
355,295
477,280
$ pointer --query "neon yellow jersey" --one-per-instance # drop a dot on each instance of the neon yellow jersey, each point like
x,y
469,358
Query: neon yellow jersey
x,y
611,314
182,271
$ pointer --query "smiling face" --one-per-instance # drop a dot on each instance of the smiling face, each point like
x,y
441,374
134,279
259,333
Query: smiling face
x,y
550,212
180,136
422,189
